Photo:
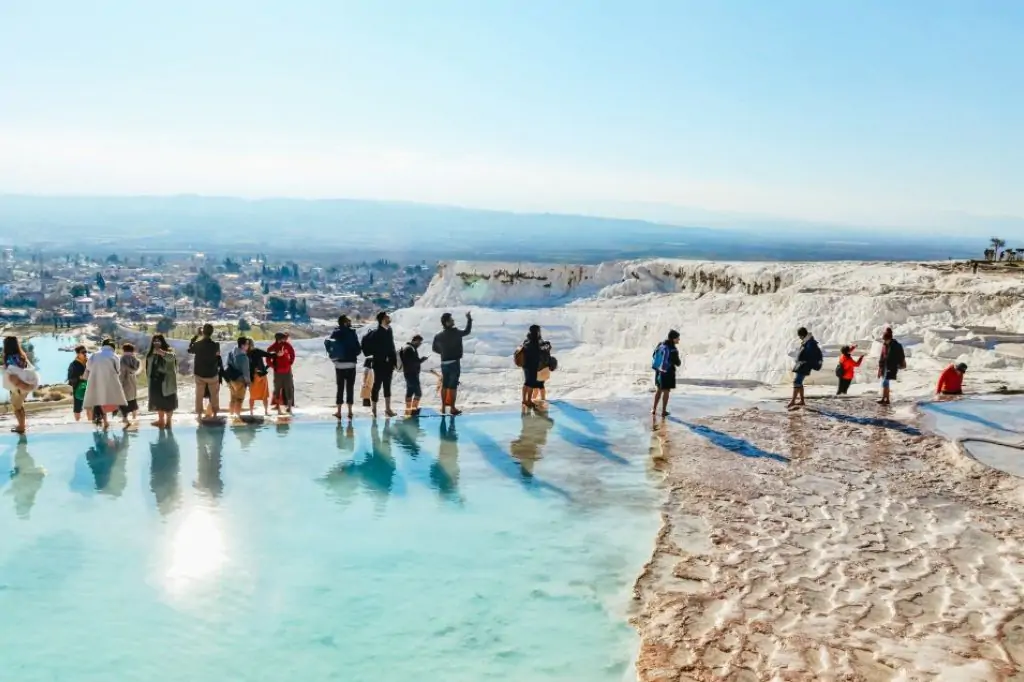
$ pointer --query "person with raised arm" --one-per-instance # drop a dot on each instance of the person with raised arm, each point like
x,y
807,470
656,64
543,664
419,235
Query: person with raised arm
x,y
448,345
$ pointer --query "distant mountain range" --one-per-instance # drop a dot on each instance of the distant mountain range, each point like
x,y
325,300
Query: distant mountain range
x,y
406,231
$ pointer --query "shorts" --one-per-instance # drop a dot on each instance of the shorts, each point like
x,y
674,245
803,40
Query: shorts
x,y
798,380
413,389
450,374
887,377
530,379
664,381
237,389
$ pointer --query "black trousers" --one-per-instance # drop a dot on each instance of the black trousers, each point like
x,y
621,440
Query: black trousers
x,y
844,386
346,386
381,379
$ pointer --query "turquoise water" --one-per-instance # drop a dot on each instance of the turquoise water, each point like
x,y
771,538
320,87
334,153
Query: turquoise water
x,y
51,362
504,549
988,418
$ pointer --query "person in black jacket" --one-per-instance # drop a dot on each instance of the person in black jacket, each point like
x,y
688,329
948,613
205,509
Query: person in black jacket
x,y
411,362
535,348
76,379
892,361
806,361
448,344
208,369
343,349
379,349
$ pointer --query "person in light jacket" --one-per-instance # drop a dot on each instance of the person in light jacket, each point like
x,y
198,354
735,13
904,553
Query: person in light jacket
x,y
103,393
128,376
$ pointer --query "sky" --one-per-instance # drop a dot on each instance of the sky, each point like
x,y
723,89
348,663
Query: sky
x,y
866,113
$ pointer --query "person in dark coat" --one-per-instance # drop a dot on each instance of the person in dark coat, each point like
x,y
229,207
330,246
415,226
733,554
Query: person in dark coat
x,y
411,364
534,350
380,352
343,349
893,359
448,345
806,360
666,361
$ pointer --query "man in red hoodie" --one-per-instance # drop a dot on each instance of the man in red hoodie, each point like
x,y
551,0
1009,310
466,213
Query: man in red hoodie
x,y
951,382
282,358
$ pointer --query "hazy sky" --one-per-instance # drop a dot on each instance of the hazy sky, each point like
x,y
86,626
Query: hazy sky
x,y
876,111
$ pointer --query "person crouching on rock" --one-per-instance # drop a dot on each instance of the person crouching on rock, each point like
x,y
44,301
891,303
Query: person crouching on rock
x,y
951,381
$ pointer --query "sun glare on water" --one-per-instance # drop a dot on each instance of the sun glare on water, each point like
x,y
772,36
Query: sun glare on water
x,y
197,551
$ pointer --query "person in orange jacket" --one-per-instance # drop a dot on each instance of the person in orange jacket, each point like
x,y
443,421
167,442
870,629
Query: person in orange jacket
x,y
951,381
847,366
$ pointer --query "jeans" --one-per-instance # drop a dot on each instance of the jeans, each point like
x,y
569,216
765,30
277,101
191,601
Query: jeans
x,y
381,379
346,379
450,374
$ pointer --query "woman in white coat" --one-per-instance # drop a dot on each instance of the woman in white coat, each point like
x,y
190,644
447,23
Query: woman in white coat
x,y
103,393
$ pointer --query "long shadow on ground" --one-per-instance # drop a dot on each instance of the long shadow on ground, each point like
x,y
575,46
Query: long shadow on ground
x,y
966,416
870,421
731,443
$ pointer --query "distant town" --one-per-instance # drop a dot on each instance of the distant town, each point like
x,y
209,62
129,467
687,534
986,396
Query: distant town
x,y
164,291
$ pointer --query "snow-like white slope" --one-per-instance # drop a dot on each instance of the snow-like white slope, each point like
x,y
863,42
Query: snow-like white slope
x,y
738,323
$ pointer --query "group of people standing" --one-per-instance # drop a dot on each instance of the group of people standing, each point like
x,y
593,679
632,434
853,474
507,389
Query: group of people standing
x,y
382,359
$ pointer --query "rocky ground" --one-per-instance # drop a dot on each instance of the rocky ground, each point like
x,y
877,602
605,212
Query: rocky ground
x,y
834,543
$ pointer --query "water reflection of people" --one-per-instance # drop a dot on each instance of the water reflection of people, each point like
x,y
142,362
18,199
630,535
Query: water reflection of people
x,y
209,445
529,446
107,459
376,471
444,473
26,479
164,467
407,435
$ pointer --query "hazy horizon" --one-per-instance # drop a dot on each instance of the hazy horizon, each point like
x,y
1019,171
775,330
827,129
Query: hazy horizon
x,y
792,113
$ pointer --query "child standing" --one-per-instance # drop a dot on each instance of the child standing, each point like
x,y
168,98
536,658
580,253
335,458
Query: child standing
x,y
411,365
128,374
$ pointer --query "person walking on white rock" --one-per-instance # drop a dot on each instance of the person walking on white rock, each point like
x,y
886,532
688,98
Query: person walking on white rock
x,y
892,360
448,345
664,363
808,360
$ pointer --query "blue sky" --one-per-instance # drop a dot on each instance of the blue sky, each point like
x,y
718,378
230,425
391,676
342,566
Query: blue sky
x,y
871,112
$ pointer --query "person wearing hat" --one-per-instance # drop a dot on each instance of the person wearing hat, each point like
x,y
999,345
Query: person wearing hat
x,y
666,359
893,359
951,381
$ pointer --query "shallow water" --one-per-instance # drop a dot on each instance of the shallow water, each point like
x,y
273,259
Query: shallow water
x,y
502,549
51,362
995,419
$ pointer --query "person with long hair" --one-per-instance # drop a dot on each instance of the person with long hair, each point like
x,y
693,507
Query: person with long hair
x,y
162,377
16,380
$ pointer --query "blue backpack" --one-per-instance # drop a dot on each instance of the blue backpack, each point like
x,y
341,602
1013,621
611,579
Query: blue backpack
x,y
662,357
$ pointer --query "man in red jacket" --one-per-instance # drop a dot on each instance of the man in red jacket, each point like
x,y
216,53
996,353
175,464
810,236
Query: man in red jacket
x,y
281,361
951,382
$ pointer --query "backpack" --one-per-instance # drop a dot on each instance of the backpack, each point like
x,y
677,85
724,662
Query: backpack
x,y
553,363
333,348
369,341
839,371
816,359
517,356
231,372
661,358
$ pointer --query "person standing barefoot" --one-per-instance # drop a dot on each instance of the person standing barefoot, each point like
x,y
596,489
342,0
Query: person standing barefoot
x,y
666,359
